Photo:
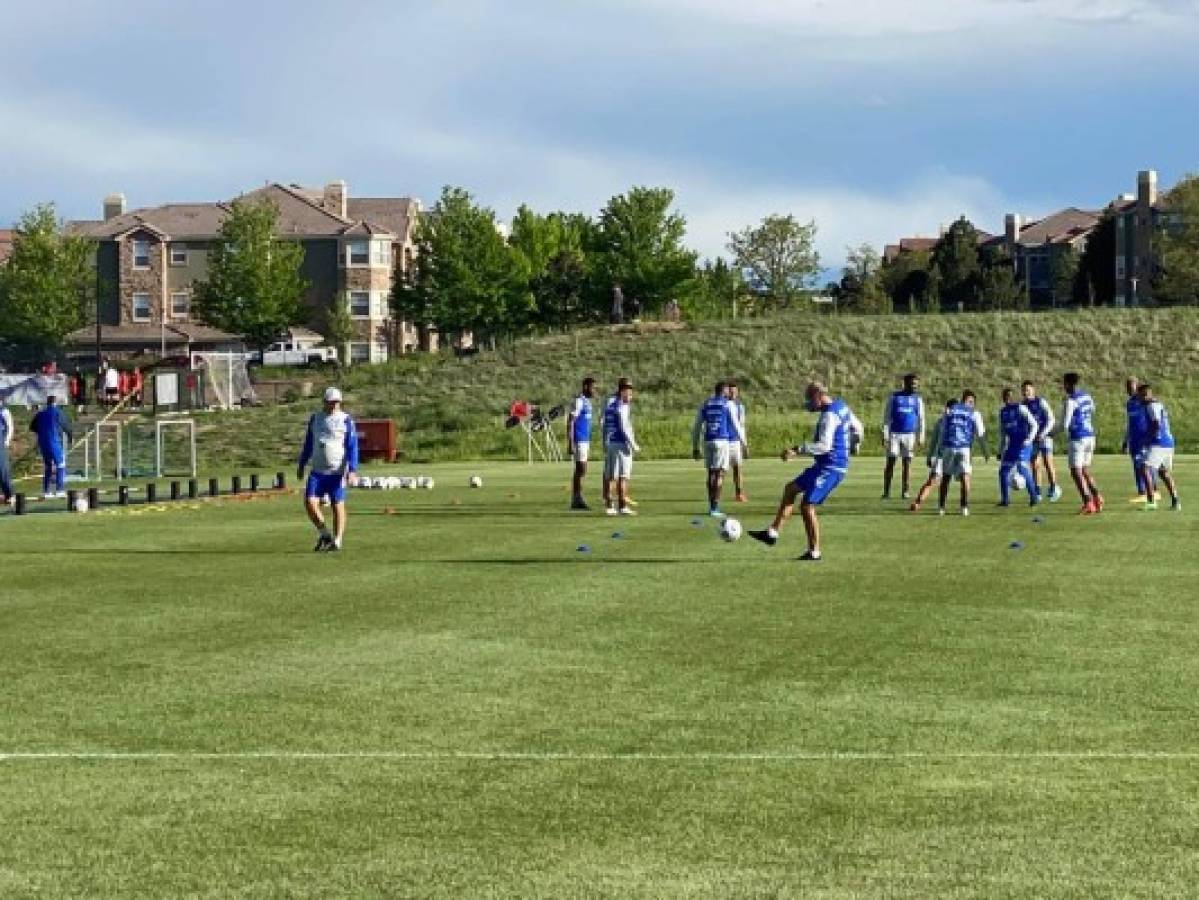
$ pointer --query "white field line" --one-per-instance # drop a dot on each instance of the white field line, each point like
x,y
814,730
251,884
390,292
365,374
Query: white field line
x,y
532,756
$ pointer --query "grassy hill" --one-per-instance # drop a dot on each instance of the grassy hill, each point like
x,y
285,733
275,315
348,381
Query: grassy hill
x,y
449,408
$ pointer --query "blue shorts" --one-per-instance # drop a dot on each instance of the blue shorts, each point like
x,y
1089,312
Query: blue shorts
x,y
817,483
1014,459
322,484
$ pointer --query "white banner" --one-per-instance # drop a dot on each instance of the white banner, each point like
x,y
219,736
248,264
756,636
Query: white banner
x,y
28,390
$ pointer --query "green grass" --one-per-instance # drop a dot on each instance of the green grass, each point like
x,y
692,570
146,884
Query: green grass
x,y
950,667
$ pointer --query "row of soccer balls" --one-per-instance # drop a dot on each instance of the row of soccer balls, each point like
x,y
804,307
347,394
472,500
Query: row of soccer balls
x,y
396,482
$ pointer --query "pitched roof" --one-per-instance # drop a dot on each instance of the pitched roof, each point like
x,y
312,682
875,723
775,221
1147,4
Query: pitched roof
x,y
396,214
1064,226
176,220
153,335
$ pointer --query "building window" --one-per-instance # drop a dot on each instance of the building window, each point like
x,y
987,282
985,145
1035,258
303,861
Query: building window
x,y
360,304
382,253
381,349
180,304
178,254
1121,267
141,254
358,253
141,307
360,352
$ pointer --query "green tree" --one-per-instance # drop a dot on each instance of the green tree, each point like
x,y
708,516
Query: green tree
x,y
1177,245
47,287
861,288
1097,271
1066,276
339,329
956,261
998,288
550,251
464,276
778,258
639,245
719,293
254,286
905,278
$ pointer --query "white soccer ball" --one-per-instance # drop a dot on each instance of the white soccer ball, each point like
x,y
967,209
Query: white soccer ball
x,y
394,483
1017,481
379,484
476,481
363,483
81,505
730,530
408,484
428,483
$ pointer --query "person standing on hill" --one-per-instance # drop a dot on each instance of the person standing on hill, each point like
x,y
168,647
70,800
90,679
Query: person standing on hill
x,y
331,445
1158,457
903,431
1042,443
738,450
620,445
578,434
51,425
1135,432
1078,422
830,450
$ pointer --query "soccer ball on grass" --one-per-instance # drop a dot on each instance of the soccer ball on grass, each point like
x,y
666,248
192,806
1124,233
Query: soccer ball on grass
x,y
730,530
476,481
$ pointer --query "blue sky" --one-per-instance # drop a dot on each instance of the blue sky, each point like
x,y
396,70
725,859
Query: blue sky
x,y
877,117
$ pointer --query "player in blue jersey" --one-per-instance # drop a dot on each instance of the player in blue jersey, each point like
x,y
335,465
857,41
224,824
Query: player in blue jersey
x,y
903,431
1042,443
830,450
738,452
1158,458
933,460
578,434
961,426
331,445
1017,430
1077,422
620,444
51,425
716,424
1135,433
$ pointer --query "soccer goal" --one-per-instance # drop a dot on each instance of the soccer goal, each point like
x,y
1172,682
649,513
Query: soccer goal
x,y
226,379
158,448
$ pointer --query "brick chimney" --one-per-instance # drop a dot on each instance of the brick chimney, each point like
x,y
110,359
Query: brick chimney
x,y
114,205
1146,190
335,198
1013,225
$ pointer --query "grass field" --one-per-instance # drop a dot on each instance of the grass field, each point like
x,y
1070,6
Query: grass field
x,y
463,704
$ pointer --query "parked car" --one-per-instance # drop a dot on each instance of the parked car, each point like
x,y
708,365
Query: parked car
x,y
289,353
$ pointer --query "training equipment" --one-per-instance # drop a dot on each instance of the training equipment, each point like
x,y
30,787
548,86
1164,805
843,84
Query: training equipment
x,y
476,481
225,378
730,530
538,426
81,505
1017,481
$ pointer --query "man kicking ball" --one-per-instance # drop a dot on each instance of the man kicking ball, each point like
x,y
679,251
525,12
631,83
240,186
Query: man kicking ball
x,y
830,452
1158,459
331,444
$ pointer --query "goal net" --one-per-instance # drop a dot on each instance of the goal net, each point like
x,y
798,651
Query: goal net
x,y
226,379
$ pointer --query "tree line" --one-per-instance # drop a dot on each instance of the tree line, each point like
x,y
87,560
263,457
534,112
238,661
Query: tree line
x,y
470,272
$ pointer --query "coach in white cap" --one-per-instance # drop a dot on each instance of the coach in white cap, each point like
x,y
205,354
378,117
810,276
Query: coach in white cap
x,y
331,445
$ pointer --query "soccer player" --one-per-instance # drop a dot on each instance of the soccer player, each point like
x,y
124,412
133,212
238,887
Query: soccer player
x,y
903,431
1078,422
578,431
619,446
331,445
738,451
1158,459
50,425
961,426
1042,443
6,431
1017,429
830,452
1135,433
716,424
933,460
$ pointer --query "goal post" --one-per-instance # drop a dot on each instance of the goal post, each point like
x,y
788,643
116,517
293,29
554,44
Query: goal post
x,y
226,379
174,442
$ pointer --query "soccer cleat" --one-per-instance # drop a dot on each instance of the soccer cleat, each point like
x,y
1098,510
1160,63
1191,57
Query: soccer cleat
x,y
914,506
1176,504
1055,493
322,544
965,510
763,536
811,556
905,495
1099,504
940,510
610,511
625,511
886,495
715,513
1139,498
1003,503
579,504
1150,505
629,501
1088,509
333,546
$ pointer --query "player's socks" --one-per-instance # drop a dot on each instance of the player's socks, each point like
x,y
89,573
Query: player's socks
x,y
940,510
965,510
1055,493
767,536
1176,504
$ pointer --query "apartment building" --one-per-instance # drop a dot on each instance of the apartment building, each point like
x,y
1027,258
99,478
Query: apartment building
x,y
149,260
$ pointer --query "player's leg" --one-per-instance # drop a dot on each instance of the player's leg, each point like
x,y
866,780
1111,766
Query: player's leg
x,y
47,475
770,535
1149,492
1005,483
1030,481
576,485
965,493
1167,478
907,476
925,489
1139,473
314,489
339,523
60,471
888,475
943,493
811,522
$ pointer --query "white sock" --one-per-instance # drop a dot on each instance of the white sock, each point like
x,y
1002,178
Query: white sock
x,y
772,532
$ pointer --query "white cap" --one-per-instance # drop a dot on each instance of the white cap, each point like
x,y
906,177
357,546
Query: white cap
x,y
332,395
